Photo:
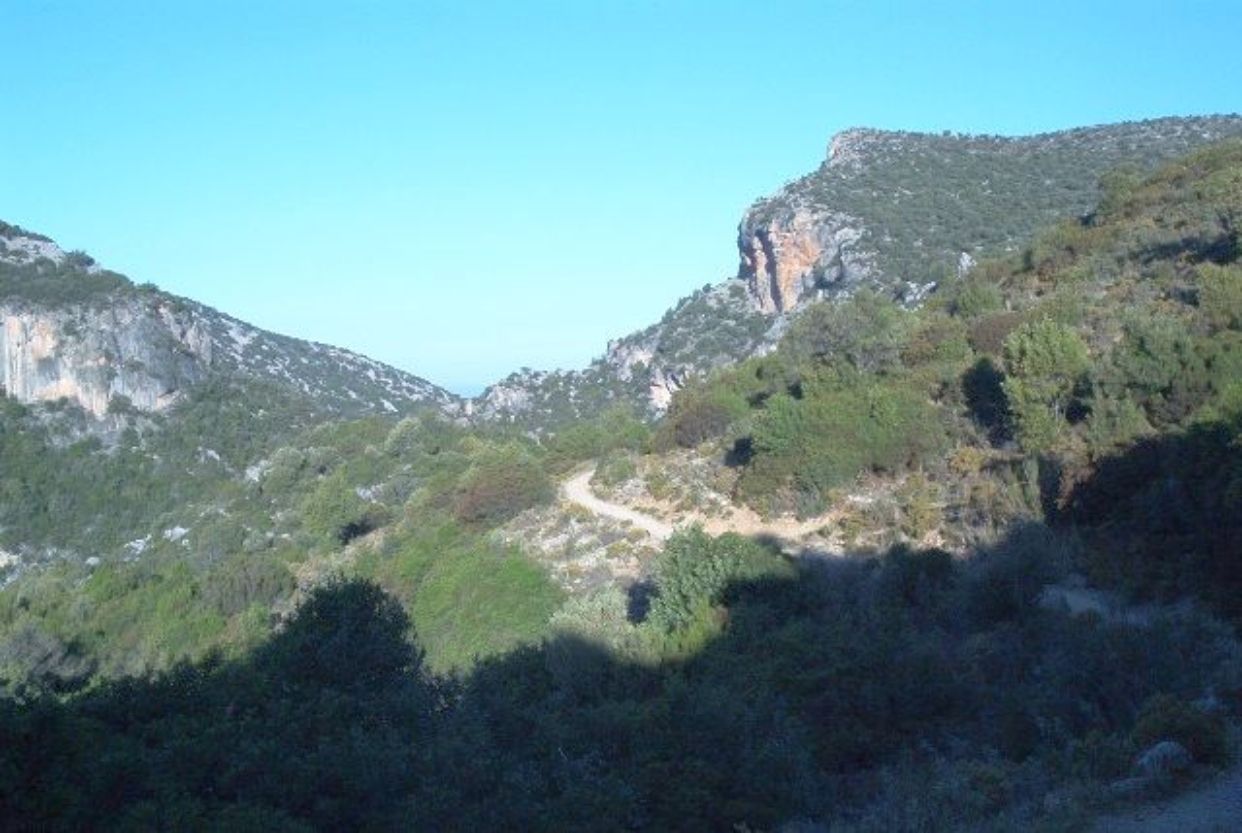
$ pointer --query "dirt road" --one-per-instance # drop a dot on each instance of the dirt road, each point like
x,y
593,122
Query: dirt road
x,y
577,489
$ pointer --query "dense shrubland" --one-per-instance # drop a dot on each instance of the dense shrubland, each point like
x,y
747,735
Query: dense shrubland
x,y
1110,344
909,691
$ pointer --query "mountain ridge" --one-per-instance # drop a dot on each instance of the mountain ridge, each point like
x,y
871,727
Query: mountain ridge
x,y
71,329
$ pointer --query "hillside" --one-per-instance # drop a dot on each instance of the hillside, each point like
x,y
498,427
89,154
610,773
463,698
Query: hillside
x,y
967,565
894,212
901,211
70,329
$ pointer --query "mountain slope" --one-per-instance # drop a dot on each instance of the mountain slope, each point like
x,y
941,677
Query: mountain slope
x,y
69,329
904,210
893,211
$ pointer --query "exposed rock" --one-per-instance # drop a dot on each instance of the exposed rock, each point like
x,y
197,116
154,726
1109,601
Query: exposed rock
x,y
1166,758
70,331
890,209
792,253
662,386
713,327
91,356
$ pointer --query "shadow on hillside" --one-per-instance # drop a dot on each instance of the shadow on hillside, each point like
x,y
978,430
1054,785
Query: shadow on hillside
x,y
1164,517
787,706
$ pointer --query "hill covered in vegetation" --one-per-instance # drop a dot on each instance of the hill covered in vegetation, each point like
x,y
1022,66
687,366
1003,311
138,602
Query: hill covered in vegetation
x,y
71,330
896,213
1028,577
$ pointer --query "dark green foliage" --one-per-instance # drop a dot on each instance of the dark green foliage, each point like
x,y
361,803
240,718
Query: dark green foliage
x,y
861,669
694,571
1164,516
867,332
1045,364
834,432
337,513
346,635
48,283
698,414
615,429
985,397
1220,295
1165,717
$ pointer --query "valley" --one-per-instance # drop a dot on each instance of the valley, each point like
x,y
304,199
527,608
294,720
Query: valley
x,y
926,520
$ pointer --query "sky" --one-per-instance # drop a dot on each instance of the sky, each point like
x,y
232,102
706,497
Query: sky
x,y
464,188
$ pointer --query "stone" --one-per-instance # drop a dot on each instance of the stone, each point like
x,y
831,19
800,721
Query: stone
x,y
1164,759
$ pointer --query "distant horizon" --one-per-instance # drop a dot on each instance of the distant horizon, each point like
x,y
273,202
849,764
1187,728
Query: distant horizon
x,y
460,191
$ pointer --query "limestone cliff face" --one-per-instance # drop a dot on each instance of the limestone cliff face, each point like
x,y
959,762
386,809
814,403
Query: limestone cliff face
x,y
898,211
149,354
70,330
790,253
790,248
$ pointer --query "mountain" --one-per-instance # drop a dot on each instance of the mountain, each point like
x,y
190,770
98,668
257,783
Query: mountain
x,y
897,212
71,330
965,564
900,211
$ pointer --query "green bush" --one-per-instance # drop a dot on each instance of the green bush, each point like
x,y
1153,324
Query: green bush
x,y
832,434
1045,363
1220,295
698,414
867,333
501,483
694,571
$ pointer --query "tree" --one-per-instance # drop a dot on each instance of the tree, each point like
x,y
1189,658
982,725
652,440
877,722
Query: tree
x,y
1045,363
867,332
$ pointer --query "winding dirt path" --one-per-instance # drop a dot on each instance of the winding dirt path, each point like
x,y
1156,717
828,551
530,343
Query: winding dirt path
x,y
741,520
577,489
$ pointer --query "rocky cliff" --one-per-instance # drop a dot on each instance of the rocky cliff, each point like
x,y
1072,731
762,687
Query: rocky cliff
x,y
71,330
712,327
901,211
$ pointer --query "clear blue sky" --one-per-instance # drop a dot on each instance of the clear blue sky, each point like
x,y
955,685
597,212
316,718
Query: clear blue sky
x,y
464,188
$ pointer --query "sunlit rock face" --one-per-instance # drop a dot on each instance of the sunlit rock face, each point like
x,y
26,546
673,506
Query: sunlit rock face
x,y
147,354
898,211
71,331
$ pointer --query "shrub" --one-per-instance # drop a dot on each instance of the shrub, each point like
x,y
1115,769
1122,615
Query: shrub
x,y
1165,717
694,571
975,298
1220,295
988,334
867,332
335,512
1045,363
828,437
501,483
699,414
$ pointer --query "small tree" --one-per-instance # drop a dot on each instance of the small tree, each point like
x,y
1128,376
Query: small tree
x,y
1045,363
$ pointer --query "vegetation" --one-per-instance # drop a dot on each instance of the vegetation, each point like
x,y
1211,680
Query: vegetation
x,y
745,698
54,283
298,624
924,199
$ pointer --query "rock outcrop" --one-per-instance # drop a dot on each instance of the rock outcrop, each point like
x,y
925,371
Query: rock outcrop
x,y
791,252
70,330
149,355
898,211
713,327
